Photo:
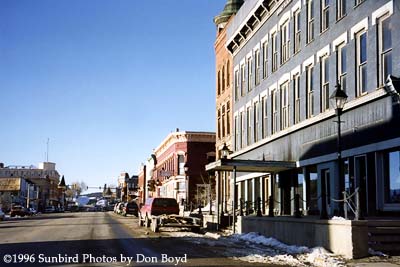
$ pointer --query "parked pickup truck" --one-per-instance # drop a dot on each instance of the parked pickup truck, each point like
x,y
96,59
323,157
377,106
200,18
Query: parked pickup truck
x,y
164,212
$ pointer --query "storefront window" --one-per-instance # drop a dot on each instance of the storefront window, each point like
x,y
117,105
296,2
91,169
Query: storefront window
x,y
313,202
392,177
300,189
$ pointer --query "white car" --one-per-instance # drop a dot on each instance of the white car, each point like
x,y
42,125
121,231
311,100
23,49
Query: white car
x,y
2,215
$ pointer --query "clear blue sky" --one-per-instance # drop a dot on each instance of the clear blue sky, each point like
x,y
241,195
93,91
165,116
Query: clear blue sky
x,y
105,80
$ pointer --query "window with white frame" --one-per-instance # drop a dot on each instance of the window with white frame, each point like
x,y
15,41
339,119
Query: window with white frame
x,y
274,112
236,131
249,122
228,118
236,85
385,28
274,43
296,31
256,120
249,73
285,42
324,83
296,98
341,54
265,59
242,128
310,91
358,2
361,61
310,21
340,9
324,15
243,80
284,89
257,68
223,122
264,122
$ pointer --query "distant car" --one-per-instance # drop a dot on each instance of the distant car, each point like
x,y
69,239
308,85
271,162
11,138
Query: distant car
x,y
49,209
156,207
130,208
18,210
2,215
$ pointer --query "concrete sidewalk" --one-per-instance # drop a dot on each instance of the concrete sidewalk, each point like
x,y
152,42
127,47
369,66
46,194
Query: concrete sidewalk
x,y
373,261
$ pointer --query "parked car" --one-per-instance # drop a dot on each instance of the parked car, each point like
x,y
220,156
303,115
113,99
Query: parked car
x,y
18,210
2,215
49,209
130,208
156,207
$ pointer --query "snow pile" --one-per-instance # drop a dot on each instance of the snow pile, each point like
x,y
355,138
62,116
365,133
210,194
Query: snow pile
x,y
271,242
212,235
336,218
289,254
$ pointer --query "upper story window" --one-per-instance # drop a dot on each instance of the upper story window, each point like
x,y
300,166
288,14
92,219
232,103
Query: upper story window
x,y
257,62
248,125
297,32
264,122
274,43
296,94
310,21
265,59
385,28
285,42
242,128
228,118
284,105
361,63
236,85
219,124
324,15
223,79
256,120
341,53
249,73
181,164
223,122
236,131
243,80
309,91
274,109
340,9
219,82
228,73
324,83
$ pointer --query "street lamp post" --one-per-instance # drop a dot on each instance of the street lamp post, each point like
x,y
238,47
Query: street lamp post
x,y
225,153
338,99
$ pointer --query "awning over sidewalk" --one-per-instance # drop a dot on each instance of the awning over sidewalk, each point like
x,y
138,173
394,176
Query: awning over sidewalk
x,y
242,165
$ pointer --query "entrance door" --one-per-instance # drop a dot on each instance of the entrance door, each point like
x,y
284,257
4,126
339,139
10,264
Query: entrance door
x,y
326,175
360,173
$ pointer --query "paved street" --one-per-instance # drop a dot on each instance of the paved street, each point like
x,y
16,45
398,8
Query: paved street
x,y
100,239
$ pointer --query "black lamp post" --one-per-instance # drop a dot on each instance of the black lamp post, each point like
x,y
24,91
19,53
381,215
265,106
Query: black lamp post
x,y
338,99
225,151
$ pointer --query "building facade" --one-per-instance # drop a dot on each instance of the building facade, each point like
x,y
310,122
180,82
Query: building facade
x,y
41,181
179,168
288,56
224,71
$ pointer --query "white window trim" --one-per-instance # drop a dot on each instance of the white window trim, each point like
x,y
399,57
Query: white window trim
x,y
273,30
285,17
235,113
265,38
284,78
248,104
388,7
362,25
256,47
296,6
308,62
338,41
264,94
295,71
249,55
242,62
241,109
323,52
256,99
272,88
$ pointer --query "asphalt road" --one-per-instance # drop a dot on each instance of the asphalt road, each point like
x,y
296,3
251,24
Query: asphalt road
x,y
100,239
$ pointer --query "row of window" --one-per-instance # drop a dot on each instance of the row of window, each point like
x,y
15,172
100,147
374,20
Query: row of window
x,y
250,126
223,121
223,77
250,69
173,165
